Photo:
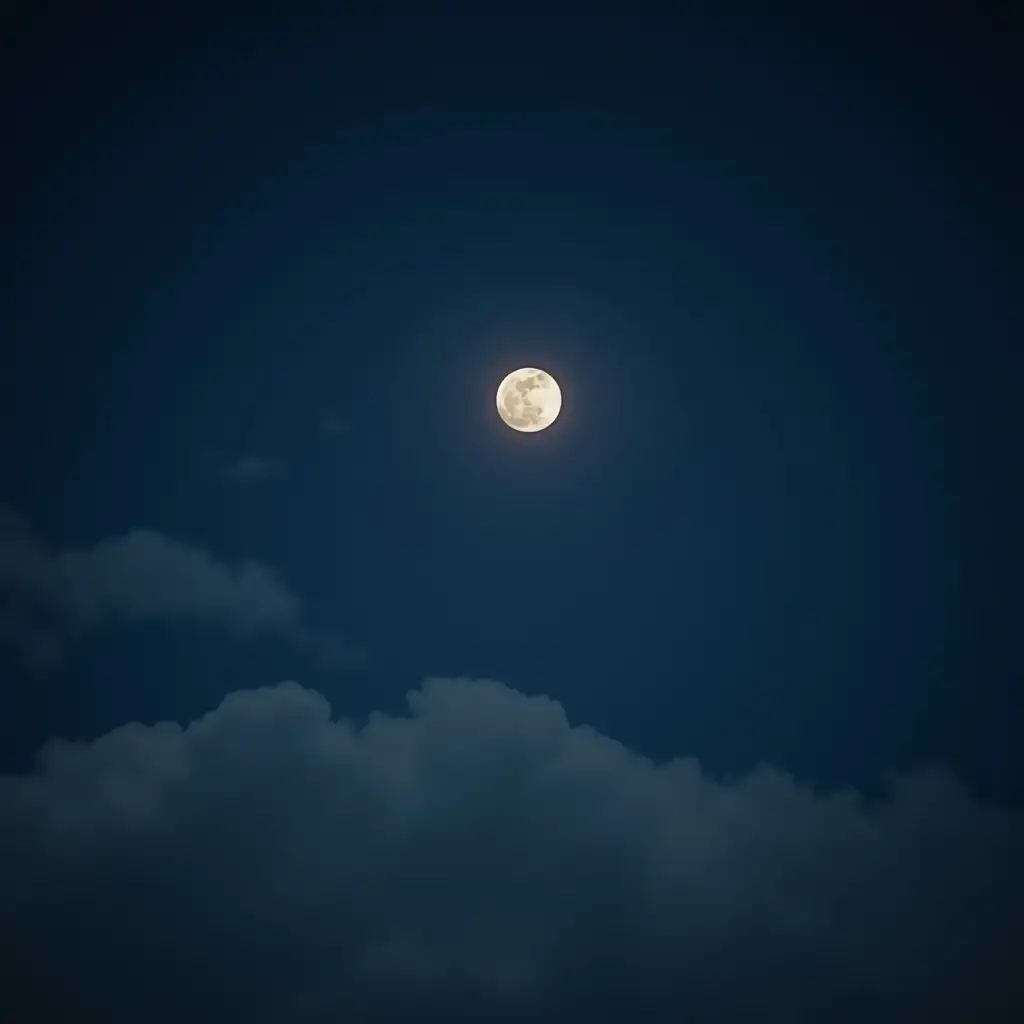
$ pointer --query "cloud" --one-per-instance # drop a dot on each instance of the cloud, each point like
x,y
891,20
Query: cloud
x,y
331,650
141,575
332,426
39,646
49,597
248,470
480,859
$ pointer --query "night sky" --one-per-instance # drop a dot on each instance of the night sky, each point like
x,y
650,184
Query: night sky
x,y
326,696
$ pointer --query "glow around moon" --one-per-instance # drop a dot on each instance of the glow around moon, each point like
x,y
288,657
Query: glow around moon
x,y
529,399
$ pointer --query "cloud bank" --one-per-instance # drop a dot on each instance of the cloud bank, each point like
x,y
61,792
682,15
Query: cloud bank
x,y
481,859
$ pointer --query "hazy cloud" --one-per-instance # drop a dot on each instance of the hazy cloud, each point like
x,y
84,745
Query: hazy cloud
x,y
248,470
332,426
480,859
38,644
330,649
49,596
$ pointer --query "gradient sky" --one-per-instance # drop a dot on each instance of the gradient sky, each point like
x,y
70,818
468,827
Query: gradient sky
x,y
265,275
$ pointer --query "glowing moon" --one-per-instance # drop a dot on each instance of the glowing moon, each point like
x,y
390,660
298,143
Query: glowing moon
x,y
529,399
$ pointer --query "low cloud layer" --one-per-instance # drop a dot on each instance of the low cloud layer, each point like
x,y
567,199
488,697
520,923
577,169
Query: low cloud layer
x,y
48,597
480,859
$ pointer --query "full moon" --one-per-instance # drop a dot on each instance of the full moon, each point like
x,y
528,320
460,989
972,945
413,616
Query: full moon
x,y
529,399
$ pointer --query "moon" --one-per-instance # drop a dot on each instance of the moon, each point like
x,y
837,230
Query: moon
x,y
529,399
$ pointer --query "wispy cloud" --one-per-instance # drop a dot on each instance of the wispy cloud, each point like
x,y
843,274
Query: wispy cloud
x,y
332,426
249,470
48,597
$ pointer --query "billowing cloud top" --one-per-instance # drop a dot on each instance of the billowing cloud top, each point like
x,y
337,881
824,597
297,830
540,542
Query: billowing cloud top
x,y
480,859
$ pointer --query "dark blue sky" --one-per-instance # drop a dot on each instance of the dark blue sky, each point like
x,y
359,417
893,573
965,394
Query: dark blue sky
x,y
770,261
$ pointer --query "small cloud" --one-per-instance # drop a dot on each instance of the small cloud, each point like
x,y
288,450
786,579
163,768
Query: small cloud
x,y
248,470
48,597
36,646
331,650
333,427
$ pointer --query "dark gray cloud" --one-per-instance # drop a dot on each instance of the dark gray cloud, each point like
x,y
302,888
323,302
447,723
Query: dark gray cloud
x,y
480,859
48,596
